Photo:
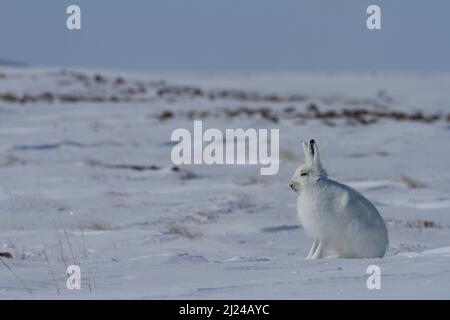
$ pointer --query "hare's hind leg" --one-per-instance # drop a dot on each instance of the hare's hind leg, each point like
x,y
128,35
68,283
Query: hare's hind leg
x,y
313,248
318,254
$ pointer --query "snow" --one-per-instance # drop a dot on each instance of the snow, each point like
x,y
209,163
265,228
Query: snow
x,y
207,232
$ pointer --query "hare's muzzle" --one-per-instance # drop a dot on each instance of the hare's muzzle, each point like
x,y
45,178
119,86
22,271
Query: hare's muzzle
x,y
294,186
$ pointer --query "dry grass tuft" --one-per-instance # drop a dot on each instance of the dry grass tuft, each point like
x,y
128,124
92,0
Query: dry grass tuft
x,y
416,224
95,226
5,254
420,224
411,183
175,228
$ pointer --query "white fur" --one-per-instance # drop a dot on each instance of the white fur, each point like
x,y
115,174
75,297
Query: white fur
x,y
334,214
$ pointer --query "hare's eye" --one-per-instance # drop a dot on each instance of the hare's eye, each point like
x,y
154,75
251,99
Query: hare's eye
x,y
304,174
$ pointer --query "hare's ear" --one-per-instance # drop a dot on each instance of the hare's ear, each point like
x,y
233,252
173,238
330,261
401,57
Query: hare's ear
x,y
307,152
314,150
305,147
312,144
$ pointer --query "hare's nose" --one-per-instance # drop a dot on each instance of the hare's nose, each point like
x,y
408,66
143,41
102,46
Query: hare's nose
x,y
292,186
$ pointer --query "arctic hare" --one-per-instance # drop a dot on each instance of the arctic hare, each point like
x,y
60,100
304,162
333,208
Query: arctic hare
x,y
335,214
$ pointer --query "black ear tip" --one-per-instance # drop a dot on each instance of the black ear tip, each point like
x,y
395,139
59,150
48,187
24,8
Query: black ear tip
x,y
311,142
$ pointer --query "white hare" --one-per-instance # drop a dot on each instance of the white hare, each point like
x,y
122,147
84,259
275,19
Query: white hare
x,y
335,214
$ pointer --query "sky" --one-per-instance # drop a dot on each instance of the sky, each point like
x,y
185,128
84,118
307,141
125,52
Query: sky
x,y
228,35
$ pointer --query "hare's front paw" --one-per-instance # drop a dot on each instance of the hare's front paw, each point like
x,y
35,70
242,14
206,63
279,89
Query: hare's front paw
x,y
313,248
317,250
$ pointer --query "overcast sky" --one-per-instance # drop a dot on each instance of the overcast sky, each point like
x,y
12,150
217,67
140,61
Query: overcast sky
x,y
229,35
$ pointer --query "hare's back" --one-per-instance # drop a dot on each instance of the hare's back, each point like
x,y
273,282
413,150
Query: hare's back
x,y
355,205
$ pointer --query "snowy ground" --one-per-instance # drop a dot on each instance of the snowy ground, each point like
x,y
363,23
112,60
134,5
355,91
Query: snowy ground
x,y
86,178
